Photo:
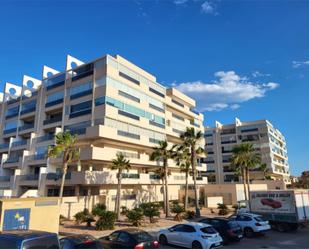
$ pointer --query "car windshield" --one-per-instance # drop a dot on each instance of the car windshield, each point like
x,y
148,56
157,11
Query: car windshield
x,y
142,236
259,218
7,244
209,230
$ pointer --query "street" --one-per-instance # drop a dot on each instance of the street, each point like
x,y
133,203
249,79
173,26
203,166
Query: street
x,y
272,240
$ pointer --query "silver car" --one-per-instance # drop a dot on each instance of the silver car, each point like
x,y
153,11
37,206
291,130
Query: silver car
x,y
191,235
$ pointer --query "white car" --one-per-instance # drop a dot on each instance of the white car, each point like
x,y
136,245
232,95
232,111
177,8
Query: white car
x,y
251,223
191,235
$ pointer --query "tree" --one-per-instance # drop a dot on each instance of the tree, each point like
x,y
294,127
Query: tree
x,y
191,140
263,167
161,153
183,160
243,159
150,210
65,145
135,216
120,164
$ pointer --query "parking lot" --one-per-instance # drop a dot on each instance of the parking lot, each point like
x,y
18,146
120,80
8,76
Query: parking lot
x,y
272,240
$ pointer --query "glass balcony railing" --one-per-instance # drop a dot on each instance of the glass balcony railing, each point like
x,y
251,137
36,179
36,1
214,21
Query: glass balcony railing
x,y
12,159
37,157
82,72
54,102
4,146
80,113
29,177
130,176
32,94
154,177
81,94
11,115
55,81
45,137
194,111
5,178
57,176
8,131
52,120
19,143
26,127
28,110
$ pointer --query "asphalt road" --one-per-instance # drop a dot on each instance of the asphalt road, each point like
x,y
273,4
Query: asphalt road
x,y
272,240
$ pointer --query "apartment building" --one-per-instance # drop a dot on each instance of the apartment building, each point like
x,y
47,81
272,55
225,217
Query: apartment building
x,y
112,106
267,140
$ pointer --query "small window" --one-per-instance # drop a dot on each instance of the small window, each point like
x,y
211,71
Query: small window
x,y
113,236
124,238
209,230
188,229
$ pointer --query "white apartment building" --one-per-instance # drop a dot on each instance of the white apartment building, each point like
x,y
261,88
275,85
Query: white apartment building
x,y
267,140
113,106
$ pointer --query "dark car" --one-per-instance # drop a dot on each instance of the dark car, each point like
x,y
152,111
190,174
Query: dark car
x,y
27,239
228,230
271,202
80,241
130,238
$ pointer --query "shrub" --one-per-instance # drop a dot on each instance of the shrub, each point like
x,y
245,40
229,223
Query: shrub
x,y
106,221
150,210
98,209
223,210
178,210
189,215
135,216
84,216
123,210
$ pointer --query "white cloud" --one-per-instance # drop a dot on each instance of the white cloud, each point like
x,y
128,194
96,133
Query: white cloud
x,y
257,74
208,7
229,90
179,2
297,64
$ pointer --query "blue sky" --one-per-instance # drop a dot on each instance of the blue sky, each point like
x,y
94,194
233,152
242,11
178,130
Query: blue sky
x,y
246,59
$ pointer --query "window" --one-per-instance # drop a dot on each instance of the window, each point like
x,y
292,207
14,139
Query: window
x,y
178,228
8,243
209,230
12,112
28,107
81,90
10,125
123,75
177,117
128,96
79,108
177,103
124,238
113,236
243,218
142,236
156,92
188,229
128,115
42,243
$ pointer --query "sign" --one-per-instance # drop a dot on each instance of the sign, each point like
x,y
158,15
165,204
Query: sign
x,y
275,202
16,219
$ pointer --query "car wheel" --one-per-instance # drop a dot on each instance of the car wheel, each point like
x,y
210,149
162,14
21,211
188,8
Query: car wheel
x,y
196,245
163,240
248,232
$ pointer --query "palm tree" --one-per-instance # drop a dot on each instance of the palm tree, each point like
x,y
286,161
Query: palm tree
x,y
65,145
120,164
161,153
191,140
245,158
263,167
183,160
161,174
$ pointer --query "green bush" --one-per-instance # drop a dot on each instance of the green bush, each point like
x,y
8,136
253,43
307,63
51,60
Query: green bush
x,y
98,209
106,221
150,210
135,216
178,210
223,210
189,215
84,216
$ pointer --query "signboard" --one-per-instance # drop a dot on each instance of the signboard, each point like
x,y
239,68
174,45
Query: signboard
x,y
274,202
16,219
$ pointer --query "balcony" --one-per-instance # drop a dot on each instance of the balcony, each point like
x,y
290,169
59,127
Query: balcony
x,y
28,110
80,113
25,127
52,103
4,146
194,124
5,182
29,180
11,115
81,94
228,142
34,93
9,131
54,82
44,138
12,162
82,72
52,120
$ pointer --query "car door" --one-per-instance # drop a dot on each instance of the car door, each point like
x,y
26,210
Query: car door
x,y
243,221
174,234
187,236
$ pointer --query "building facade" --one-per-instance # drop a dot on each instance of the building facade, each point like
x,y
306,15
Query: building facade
x,y
112,106
267,140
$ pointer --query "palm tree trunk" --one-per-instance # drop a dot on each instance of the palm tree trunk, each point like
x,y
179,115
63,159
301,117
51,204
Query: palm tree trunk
x,y
164,199
248,183
117,204
193,159
186,191
65,169
244,183
167,213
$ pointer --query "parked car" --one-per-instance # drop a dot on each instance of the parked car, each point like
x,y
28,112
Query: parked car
x,y
251,223
27,239
80,241
191,235
131,238
271,202
228,230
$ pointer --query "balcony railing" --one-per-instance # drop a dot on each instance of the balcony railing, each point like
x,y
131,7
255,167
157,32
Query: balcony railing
x,y
45,137
29,177
81,94
4,146
154,177
54,102
5,178
34,93
11,115
130,176
37,157
57,176
8,131
12,101
52,120
80,113
28,110
55,81
194,111
13,159
19,143
82,72
26,127
78,131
